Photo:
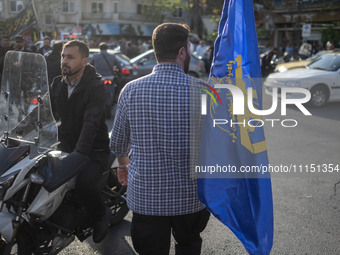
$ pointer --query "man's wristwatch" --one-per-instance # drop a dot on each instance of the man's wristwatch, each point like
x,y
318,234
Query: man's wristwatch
x,y
123,167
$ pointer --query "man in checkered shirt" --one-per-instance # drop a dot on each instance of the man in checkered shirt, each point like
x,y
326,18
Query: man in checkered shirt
x,y
153,121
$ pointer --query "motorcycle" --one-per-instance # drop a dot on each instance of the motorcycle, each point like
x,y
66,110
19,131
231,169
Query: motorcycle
x,y
39,213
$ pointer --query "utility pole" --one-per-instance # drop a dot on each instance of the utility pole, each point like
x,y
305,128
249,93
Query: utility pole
x,y
298,25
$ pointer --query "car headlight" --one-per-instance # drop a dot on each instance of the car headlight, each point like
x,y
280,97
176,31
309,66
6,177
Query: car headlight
x,y
6,182
282,69
292,83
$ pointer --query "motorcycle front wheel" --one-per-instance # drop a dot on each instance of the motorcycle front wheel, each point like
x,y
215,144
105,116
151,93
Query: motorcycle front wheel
x,y
23,244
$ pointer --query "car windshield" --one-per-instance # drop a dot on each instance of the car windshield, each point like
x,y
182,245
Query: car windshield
x,y
316,56
327,63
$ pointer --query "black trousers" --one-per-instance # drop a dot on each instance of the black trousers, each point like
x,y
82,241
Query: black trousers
x,y
87,192
151,234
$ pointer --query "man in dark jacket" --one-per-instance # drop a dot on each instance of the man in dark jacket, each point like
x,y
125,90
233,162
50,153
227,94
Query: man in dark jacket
x,y
47,46
104,61
78,105
53,61
4,47
20,44
266,65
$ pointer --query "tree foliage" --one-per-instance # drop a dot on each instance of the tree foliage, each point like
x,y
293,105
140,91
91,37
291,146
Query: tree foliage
x,y
330,35
162,10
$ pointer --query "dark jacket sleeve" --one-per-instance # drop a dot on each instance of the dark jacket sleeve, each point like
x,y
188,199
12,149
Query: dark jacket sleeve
x,y
53,92
93,116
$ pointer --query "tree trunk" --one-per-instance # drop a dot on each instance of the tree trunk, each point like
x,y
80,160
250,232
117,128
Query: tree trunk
x,y
197,23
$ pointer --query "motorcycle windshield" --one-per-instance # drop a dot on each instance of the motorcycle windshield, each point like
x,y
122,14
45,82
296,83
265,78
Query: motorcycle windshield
x,y
24,80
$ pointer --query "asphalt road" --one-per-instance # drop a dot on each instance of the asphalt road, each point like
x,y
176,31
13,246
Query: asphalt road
x,y
306,205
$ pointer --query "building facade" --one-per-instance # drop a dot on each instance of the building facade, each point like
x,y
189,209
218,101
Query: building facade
x,y
86,19
279,22
297,21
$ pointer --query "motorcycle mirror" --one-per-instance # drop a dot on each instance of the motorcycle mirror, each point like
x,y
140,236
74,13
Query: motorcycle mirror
x,y
36,178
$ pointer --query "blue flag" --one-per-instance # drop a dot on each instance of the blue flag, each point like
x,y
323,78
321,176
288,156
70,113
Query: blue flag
x,y
234,183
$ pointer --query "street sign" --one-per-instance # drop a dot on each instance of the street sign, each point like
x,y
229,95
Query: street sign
x,y
306,29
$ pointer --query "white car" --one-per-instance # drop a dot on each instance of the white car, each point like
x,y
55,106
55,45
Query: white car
x,y
321,78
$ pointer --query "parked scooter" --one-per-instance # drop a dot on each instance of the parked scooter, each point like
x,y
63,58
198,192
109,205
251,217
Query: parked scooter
x,y
39,213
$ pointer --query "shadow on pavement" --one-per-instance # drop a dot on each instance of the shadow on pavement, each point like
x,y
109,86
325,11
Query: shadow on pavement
x,y
330,110
117,242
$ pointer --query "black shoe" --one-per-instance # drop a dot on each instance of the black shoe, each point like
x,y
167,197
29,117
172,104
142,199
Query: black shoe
x,y
101,227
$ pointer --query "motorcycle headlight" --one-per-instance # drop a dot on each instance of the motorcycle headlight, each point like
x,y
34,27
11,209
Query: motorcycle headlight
x,y
6,182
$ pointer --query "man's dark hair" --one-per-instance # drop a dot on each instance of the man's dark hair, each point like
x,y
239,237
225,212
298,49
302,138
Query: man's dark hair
x,y
6,37
83,48
57,46
168,39
103,46
19,38
47,38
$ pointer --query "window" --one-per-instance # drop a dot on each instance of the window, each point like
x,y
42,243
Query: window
x,y
142,9
115,7
69,7
48,19
97,7
16,6
139,8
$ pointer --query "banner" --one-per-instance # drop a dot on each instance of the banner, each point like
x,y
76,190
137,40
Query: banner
x,y
233,138
24,20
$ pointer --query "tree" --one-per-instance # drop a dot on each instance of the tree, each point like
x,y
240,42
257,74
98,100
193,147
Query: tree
x,y
204,7
214,9
330,35
160,10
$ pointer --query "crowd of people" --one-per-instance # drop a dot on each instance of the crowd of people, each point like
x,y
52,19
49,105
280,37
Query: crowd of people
x,y
161,191
150,134
289,52
130,48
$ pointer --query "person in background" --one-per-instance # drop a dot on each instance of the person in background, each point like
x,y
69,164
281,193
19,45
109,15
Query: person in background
x,y
33,48
305,50
329,45
53,58
123,45
152,120
290,49
47,46
103,61
78,105
132,50
4,47
266,65
201,49
20,44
